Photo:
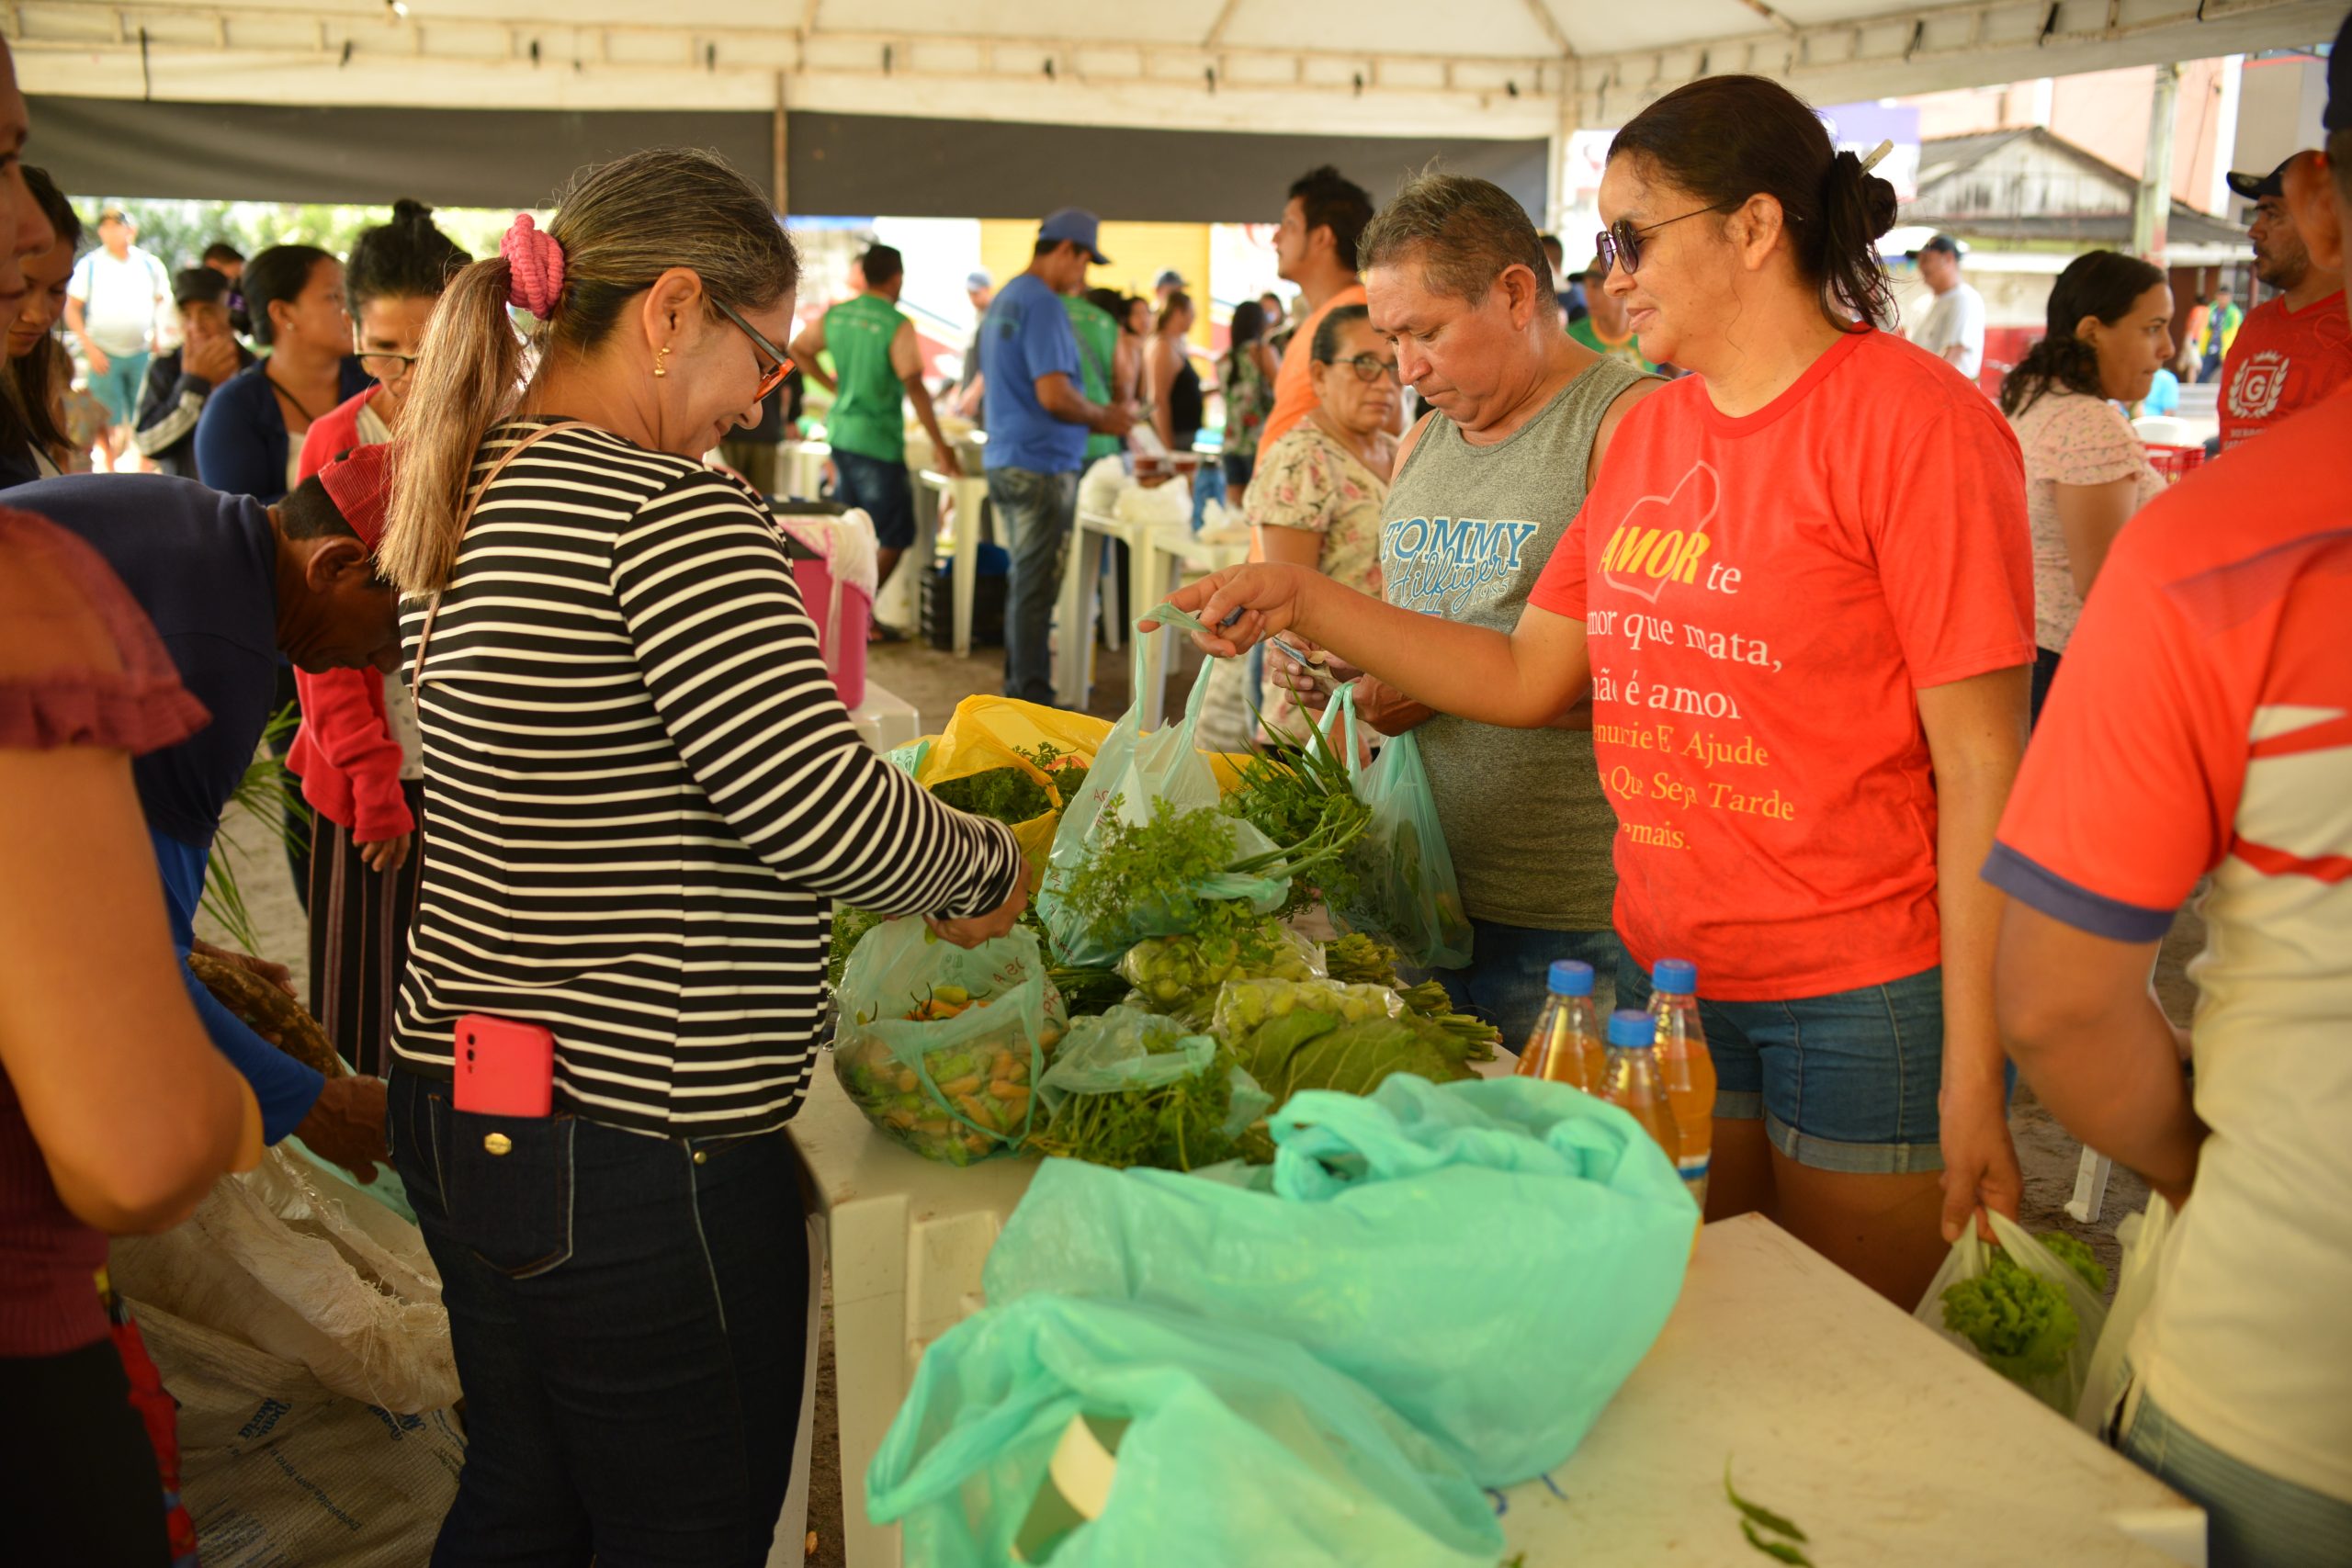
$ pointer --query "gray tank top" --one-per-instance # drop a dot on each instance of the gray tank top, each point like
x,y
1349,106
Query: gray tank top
x,y
1467,533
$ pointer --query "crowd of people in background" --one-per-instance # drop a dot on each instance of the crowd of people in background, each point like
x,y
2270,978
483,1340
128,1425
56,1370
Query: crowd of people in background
x,y
1722,613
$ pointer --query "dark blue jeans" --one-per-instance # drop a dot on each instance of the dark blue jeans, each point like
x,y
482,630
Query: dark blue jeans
x,y
1035,513
630,1316
1510,969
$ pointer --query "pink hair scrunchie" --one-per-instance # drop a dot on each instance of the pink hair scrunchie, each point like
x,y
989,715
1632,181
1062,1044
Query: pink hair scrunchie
x,y
536,262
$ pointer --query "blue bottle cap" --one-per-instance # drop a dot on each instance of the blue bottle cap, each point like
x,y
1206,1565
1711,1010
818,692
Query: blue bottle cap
x,y
1631,1028
1676,976
1570,979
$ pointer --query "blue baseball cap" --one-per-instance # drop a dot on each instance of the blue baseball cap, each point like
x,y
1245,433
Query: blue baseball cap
x,y
1170,278
979,279
1078,226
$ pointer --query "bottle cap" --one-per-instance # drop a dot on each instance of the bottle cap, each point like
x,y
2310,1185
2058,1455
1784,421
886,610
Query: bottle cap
x,y
1631,1028
1676,976
1570,979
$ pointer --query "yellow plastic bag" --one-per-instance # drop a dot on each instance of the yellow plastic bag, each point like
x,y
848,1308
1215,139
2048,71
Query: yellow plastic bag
x,y
988,732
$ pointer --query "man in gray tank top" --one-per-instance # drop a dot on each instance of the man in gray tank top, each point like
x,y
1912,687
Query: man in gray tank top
x,y
1484,488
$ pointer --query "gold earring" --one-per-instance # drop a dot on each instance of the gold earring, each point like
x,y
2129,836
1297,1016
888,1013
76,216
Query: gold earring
x,y
661,361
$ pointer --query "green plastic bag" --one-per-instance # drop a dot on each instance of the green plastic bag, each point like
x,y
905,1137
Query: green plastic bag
x,y
1491,1257
1408,890
1128,1048
1134,769
954,1088
1237,1448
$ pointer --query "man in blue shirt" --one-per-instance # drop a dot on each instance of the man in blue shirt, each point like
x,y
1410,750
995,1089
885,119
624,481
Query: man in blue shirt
x,y
1038,422
230,584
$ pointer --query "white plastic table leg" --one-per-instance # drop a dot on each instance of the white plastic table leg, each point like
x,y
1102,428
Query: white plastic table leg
x,y
2090,1187
869,1241
1074,629
971,495
789,1547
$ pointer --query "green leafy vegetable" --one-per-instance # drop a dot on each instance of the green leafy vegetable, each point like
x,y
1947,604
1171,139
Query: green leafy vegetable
x,y
2075,1254
1005,795
1757,1515
1172,973
1316,1050
2021,1322
1171,1126
1294,793
1359,958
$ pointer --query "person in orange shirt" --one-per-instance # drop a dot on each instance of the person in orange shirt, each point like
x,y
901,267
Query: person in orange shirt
x,y
1316,248
2295,348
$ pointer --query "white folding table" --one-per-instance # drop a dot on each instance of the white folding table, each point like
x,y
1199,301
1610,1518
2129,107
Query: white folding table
x,y
1158,557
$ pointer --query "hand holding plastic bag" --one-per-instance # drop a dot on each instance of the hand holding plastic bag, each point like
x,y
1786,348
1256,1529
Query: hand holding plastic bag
x,y
1490,1257
2020,1309
1237,1448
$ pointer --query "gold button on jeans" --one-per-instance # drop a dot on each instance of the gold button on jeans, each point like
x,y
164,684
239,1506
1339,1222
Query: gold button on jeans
x,y
498,1143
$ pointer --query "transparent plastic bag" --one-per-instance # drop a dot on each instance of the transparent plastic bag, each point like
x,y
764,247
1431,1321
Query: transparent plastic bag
x,y
942,1046
1492,1259
2055,1375
1133,772
1232,1446
1404,872
1244,1005
1127,1048
1172,973
2142,1236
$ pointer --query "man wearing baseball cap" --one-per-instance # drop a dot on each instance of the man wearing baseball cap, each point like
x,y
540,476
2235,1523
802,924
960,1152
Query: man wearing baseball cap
x,y
179,381
2292,349
1037,420
1169,281
1954,326
2198,729
231,585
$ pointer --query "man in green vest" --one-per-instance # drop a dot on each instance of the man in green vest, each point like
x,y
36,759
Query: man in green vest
x,y
1098,349
877,364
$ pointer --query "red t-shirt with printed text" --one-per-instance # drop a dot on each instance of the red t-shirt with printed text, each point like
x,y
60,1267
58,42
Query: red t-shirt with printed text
x,y
2281,363
1762,597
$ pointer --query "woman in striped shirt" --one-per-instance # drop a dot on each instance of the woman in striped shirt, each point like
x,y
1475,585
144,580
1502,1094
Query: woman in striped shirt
x,y
642,796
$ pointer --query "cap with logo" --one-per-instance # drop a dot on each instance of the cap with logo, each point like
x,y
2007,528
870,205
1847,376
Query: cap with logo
x,y
1078,226
2253,188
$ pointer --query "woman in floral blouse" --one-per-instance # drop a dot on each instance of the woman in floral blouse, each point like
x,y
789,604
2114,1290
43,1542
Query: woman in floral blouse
x,y
1316,497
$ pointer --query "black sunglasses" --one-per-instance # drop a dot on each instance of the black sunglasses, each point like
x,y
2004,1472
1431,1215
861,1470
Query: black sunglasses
x,y
771,377
1620,245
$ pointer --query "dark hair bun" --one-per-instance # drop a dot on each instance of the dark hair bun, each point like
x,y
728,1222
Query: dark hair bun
x,y
1872,198
405,210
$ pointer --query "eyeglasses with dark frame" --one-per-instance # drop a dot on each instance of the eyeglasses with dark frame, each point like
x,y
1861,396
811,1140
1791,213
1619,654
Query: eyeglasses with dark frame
x,y
385,366
773,377
1369,368
1620,245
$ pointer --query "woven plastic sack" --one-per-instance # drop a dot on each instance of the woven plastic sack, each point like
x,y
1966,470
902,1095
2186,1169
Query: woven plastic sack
x,y
1971,1257
1132,772
954,1084
1408,892
277,1469
1237,1448
1490,1257
2142,1236
987,733
307,1269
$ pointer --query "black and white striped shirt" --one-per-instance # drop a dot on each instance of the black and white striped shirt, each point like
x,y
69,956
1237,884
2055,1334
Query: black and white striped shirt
x,y
641,794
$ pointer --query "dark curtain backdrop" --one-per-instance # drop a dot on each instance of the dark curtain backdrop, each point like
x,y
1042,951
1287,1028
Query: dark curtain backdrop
x,y
848,165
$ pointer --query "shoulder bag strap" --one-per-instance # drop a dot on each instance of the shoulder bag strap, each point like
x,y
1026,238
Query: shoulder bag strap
x,y
424,634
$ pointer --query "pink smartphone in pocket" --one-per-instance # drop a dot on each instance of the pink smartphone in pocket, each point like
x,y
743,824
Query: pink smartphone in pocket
x,y
504,1067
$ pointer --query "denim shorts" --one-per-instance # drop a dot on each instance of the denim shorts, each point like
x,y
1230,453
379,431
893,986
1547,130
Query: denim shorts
x,y
2252,1519
1844,1082
885,492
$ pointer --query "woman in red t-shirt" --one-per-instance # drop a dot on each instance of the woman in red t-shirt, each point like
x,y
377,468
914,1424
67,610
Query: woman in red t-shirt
x,y
357,754
1800,594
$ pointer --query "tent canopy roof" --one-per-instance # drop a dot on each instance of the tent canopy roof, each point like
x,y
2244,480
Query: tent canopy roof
x,y
1485,68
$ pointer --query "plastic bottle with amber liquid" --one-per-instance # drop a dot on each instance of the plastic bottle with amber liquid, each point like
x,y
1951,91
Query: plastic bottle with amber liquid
x,y
1634,1087
1685,1068
1566,1046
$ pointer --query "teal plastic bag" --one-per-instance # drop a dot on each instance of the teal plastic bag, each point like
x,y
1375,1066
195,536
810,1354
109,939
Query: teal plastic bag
x,y
1238,1448
1491,1257
1133,770
955,1084
1408,893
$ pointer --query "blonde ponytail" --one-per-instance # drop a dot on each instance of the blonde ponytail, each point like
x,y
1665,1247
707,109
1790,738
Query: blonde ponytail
x,y
619,226
468,378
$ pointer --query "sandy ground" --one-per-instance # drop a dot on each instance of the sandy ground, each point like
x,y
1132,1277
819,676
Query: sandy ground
x,y
934,682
